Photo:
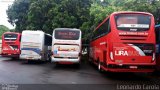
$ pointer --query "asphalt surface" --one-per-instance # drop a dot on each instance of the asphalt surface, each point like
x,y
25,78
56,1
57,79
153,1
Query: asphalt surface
x,y
45,73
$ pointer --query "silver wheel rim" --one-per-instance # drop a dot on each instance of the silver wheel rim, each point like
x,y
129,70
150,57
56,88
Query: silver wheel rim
x,y
99,66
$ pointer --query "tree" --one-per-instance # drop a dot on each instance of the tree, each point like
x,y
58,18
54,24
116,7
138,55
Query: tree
x,y
3,29
17,14
47,15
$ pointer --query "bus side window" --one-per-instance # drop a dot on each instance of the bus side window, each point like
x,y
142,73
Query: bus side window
x,y
102,30
48,40
109,26
96,34
105,28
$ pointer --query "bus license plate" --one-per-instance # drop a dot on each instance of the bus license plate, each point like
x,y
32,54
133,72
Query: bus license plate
x,y
30,57
133,67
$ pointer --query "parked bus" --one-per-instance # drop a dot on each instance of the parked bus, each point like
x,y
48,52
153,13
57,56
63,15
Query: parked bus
x,y
35,45
66,46
157,31
11,44
124,42
0,47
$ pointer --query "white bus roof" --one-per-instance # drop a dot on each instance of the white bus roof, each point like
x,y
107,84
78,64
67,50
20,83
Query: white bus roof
x,y
33,32
67,29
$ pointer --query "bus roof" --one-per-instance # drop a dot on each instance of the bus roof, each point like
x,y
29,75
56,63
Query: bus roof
x,y
67,29
33,30
11,33
28,31
121,12
134,12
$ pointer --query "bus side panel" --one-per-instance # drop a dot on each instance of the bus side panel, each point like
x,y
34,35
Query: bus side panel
x,y
32,45
30,53
99,50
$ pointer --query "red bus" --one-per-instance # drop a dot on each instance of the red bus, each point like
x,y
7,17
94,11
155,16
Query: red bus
x,y
11,44
124,42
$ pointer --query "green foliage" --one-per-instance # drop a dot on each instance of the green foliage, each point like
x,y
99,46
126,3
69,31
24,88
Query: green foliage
x,y
2,30
17,14
47,15
102,9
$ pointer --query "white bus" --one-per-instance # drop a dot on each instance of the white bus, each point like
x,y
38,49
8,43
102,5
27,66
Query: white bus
x,y
0,46
35,45
66,46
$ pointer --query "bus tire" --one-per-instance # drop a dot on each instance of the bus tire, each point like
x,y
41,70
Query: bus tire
x,y
55,64
15,58
77,65
89,59
99,67
29,61
49,58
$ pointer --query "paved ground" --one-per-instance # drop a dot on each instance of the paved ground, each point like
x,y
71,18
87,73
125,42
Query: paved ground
x,y
20,72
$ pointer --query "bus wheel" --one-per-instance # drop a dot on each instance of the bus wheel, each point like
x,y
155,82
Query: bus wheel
x,y
48,58
99,67
90,59
55,64
29,61
77,65
15,58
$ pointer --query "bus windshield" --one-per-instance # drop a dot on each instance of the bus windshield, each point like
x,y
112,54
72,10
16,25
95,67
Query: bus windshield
x,y
133,22
11,37
67,34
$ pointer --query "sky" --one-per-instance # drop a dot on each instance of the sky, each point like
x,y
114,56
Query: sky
x,y
3,16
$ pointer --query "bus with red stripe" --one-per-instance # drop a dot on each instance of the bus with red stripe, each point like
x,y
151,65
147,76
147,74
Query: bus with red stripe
x,y
124,42
11,44
66,46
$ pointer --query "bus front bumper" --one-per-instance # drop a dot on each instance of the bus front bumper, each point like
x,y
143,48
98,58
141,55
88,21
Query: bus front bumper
x,y
30,57
10,55
77,60
126,68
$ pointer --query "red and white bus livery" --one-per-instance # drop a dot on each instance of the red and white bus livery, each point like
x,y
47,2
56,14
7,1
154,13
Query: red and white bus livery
x,y
66,46
124,42
11,44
